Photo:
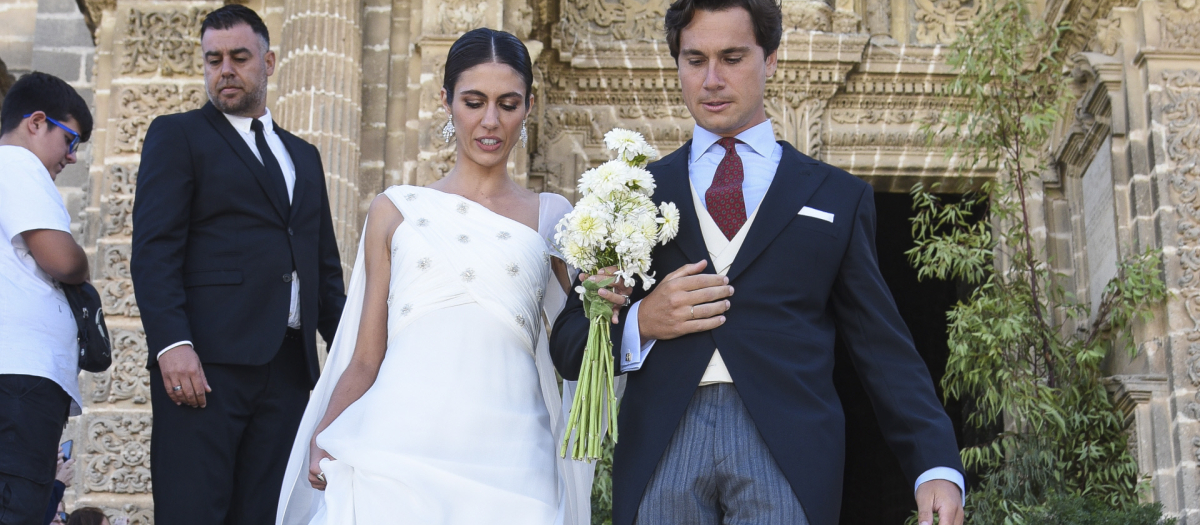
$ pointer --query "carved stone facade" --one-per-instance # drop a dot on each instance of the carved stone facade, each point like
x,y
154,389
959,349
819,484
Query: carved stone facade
x,y
856,83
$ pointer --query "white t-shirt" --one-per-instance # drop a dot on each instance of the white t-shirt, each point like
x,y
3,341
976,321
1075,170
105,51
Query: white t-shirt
x,y
37,330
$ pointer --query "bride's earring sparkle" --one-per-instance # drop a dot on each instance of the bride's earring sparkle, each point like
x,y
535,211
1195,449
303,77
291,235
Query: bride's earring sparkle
x,y
448,129
524,134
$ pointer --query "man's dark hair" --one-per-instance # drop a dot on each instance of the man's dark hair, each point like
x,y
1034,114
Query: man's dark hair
x,y
232,15
49,94
484,45
86,516
766,15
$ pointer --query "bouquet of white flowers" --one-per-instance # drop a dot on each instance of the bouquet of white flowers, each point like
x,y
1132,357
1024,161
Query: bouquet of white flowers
x,y
614,224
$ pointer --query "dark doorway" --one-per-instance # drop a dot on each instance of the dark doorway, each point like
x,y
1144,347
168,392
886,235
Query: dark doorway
x,y
875,490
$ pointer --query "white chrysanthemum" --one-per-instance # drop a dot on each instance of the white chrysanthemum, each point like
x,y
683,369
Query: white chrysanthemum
x,y
641,181
648,223
578,256
622,139
587,228
605,180
670,222
640,154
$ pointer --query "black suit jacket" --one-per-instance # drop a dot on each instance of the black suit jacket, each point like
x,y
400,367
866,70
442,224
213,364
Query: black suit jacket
x,y
800,281
215,243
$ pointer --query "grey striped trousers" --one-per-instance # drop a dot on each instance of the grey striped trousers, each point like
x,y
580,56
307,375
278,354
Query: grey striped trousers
x,y
717,470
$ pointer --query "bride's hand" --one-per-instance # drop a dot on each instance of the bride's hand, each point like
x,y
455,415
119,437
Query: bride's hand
x,y
616,293
315,477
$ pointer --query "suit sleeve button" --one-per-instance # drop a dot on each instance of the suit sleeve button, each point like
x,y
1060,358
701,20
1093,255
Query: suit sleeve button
x,y
287,277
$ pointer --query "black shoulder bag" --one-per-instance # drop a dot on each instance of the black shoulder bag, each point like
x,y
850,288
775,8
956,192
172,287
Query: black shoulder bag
x,y
95,350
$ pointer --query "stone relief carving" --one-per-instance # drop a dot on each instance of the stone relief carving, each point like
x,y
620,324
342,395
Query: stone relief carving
x,y
455,18
1108,36
138,105
591,24
93,11
115,259
796,117
876,116
1181,28
118,299
519,20
167,42
939,21
118,453
128,378
878,18
122,179
1179,104
846,22
807,15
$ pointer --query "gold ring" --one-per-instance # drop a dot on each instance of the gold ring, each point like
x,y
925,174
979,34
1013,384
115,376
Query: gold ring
x,y
693,312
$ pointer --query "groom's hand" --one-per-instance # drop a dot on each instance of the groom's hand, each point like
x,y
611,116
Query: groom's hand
x,y
180,367
684,302
943,497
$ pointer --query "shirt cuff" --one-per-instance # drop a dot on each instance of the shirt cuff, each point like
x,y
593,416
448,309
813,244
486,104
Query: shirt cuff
x,y
632,351
945,473
172,347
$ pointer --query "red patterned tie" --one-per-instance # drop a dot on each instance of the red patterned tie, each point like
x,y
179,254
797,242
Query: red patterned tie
x,y
724,198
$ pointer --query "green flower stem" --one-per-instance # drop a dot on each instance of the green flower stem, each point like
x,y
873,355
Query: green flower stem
x,y
595,397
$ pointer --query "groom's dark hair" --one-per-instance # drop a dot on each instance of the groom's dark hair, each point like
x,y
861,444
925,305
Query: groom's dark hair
x,y
765,15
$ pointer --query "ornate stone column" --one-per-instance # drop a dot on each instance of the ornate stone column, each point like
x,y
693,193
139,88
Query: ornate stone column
x,y
320,93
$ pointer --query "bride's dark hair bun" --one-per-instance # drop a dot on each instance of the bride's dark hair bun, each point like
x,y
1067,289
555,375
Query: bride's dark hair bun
x,y
481,46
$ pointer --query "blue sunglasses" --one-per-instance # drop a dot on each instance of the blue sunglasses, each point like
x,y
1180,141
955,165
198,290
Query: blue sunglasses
x,y
74,134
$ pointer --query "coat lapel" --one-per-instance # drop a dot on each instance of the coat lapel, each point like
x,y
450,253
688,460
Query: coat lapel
x,y
276,190
671,177
793,185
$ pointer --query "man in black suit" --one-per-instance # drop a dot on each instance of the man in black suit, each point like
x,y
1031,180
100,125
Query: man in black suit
x,y
730,413
235,268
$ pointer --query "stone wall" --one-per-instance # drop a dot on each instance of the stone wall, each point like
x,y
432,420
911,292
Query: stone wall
x,y
856,79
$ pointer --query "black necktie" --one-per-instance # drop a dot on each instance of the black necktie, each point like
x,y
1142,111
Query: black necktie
x,y
269,161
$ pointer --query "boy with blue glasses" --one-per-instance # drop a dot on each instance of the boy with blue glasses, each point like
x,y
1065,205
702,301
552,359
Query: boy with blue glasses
x,y
42,122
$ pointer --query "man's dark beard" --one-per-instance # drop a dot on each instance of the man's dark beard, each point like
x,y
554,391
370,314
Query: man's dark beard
x,y
243,105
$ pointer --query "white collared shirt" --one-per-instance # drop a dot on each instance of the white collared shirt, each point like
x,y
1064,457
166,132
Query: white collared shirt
x,y
242,126
760,156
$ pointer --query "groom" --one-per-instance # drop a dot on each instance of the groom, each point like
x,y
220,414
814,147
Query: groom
x,y
235,268
730,413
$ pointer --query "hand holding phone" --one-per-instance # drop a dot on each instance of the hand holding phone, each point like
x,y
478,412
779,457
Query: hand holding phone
x,y
66,448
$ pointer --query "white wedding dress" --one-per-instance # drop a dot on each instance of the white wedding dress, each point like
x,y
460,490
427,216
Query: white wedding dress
x,y
463,422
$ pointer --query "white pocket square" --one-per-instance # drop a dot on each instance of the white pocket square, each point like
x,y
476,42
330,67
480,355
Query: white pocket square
x,y
816,214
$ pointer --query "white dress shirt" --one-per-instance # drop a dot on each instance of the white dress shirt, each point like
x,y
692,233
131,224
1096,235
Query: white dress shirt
x,y
760,155
242,125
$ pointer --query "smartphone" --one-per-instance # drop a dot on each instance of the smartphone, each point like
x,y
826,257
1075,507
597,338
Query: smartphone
x,y
66,448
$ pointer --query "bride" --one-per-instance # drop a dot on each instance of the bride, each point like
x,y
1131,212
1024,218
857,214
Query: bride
x,y
438,403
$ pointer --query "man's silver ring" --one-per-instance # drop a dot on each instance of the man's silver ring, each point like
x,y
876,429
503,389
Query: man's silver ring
x,y
627,301
177,388
693,312
321,476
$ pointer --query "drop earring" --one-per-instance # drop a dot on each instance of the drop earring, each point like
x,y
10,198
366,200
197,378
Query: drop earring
x,y
524,134
448,129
